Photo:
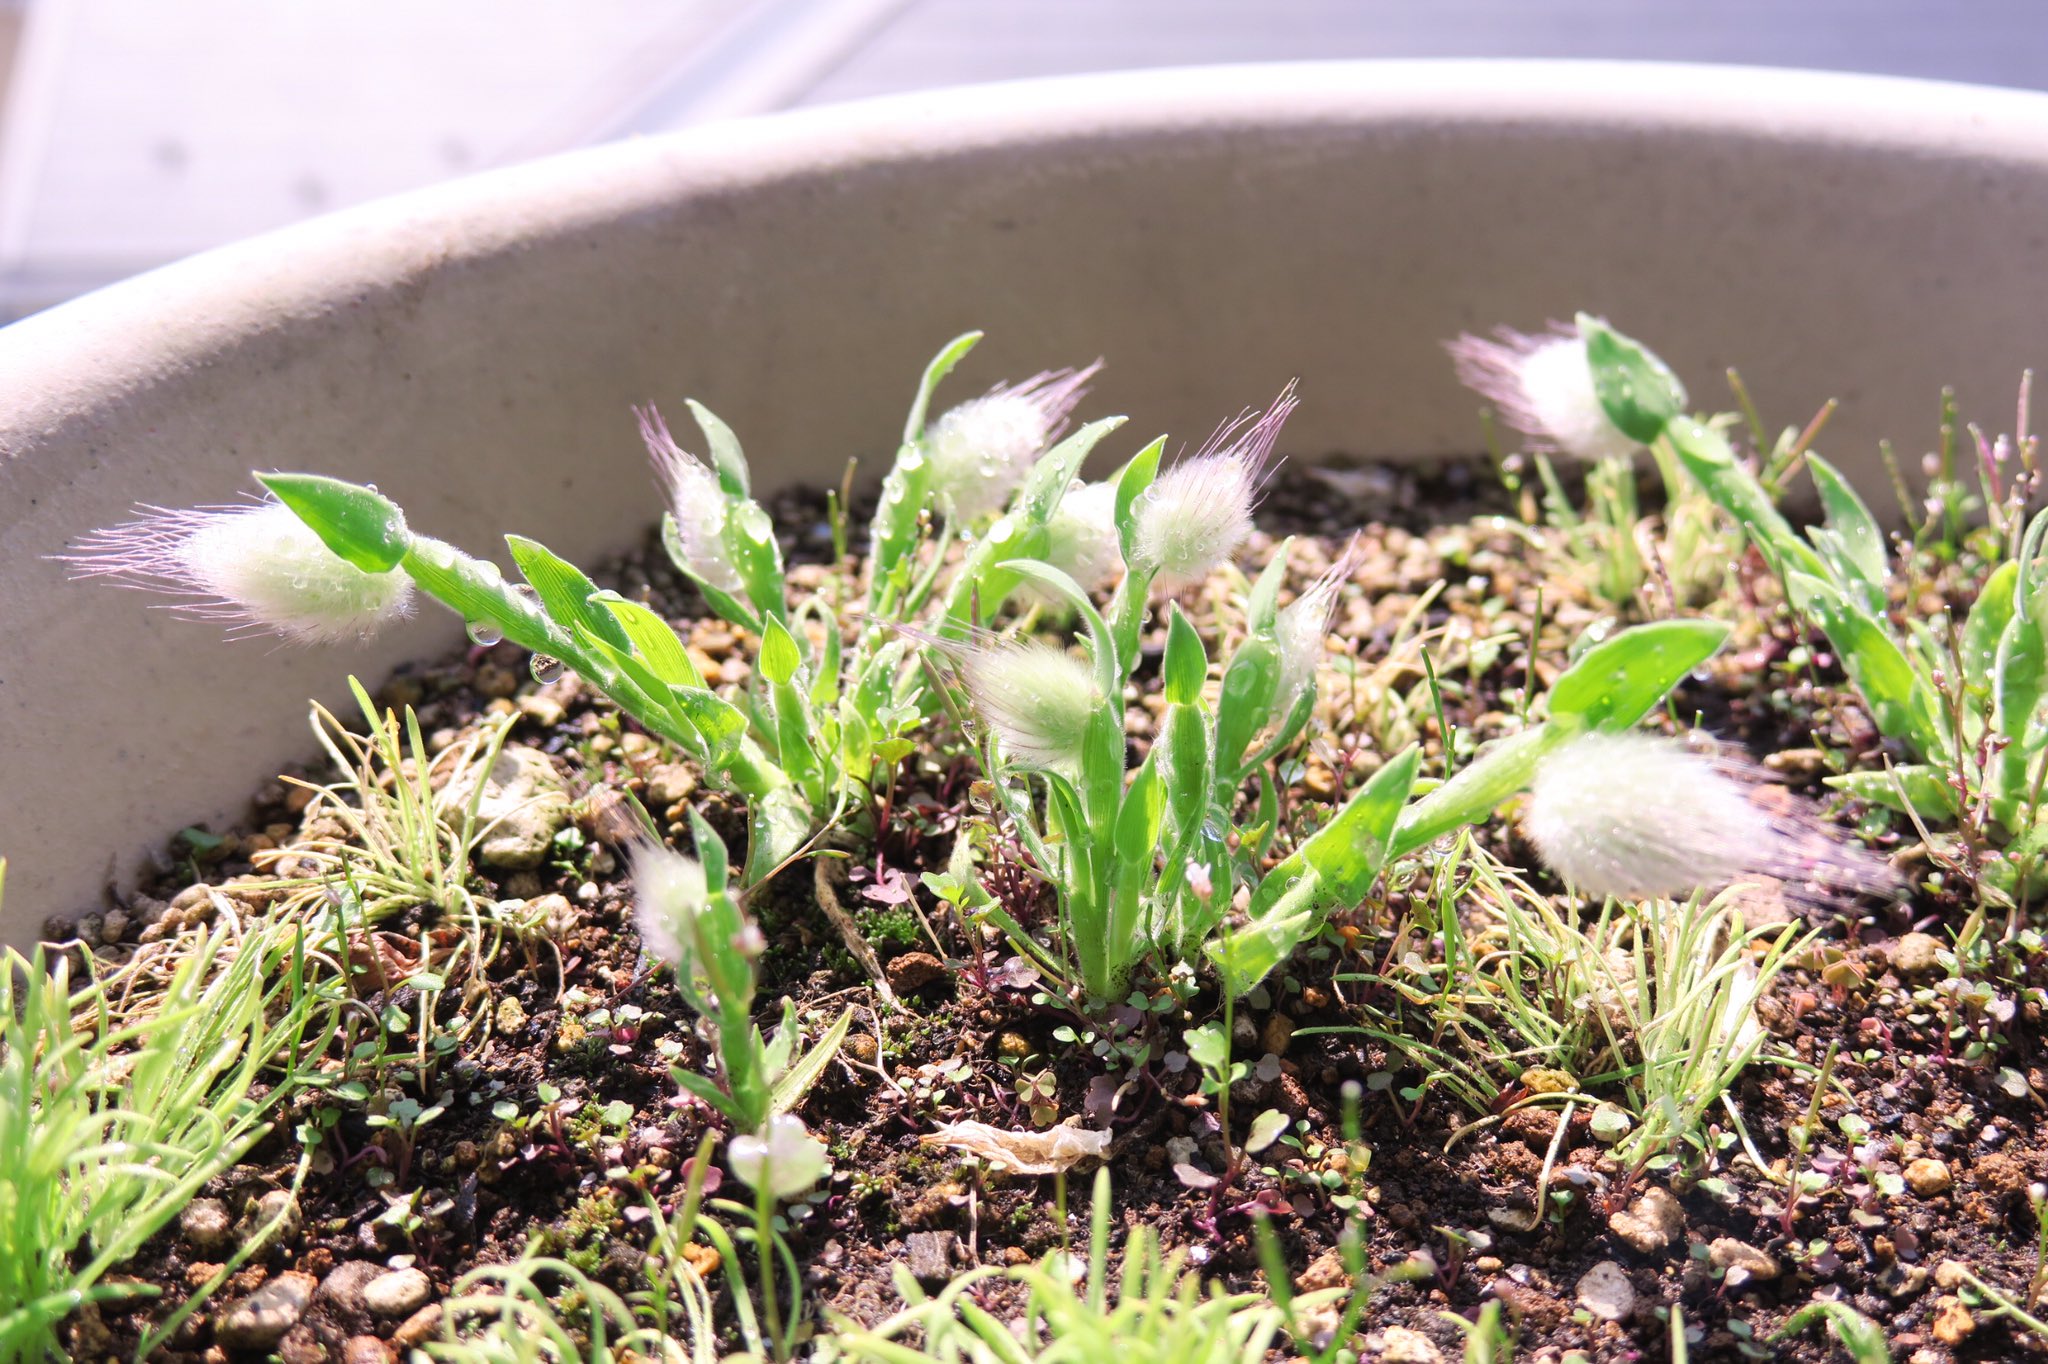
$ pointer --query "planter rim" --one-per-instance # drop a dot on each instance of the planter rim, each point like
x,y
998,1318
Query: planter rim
x,y
1207,228
120,333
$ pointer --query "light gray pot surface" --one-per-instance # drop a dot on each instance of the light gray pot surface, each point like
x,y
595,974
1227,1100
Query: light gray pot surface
x,y
473,349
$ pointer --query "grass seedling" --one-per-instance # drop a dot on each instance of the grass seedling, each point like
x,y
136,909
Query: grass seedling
x,y
1487,1337
1145,860
1967,703
508,1314
111,1121
690,919
1514,995
410,823
1157,1312
1993,1302
1862,1339
1800,1136
1687,1010
831,707
395,834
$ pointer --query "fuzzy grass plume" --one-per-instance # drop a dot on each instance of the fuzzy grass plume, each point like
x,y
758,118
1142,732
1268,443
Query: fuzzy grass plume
x,y
1197,513
1302,626
982,449
696,500
1036,698
257,568
1635,816
1081,535
1543,385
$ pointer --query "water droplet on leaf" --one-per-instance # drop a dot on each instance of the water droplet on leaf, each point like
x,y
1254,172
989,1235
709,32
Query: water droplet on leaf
x,y
482,632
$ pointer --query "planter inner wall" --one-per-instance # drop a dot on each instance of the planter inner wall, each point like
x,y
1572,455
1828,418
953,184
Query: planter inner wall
x,y
474,349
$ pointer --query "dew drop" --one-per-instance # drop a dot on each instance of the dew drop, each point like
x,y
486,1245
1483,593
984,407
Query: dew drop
x,y
547,668
483,633
489,571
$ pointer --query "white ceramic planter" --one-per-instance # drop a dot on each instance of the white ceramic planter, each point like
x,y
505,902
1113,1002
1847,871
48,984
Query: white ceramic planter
x,y
473,348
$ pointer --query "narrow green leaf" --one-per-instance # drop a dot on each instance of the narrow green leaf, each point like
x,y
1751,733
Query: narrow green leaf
x,y
1247,955
782,1045
1909,789
653,639
795,1082
1898,701
1138,819
941,365
1620,680
1183,746
1250,683
2019,681
1639,392
1842,570
1501,769
778,826
757,556
1862,1339
725,450
1185,666
476,591
1851,520
1349,851
898,527
1263,606
728,607
720,722
1131,483
1708,457
780,658
564,590
645,696
358,523
1986,624
702,1087
1054,473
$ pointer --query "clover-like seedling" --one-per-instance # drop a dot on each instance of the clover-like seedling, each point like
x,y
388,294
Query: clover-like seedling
x,y
1209,1048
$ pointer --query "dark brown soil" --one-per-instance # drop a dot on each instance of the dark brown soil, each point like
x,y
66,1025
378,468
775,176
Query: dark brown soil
x,y
1936,1074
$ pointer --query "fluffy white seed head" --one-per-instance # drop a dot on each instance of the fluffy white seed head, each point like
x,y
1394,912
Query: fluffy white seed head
x,y
1636,816
258,568
784,1158
1081,535
1037,699
696,501
1543,386
1197,513
1304,624
669,892
981,450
